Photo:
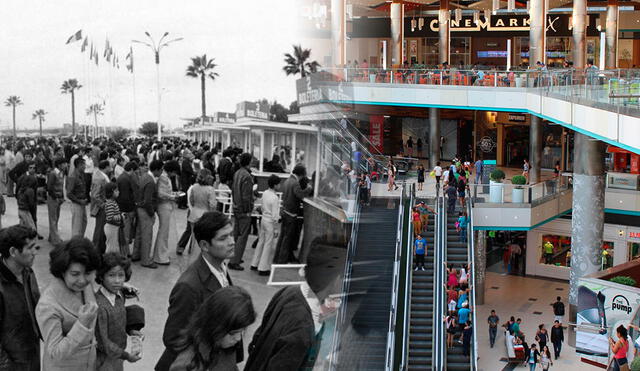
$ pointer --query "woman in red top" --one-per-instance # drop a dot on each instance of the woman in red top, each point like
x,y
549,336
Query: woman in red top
x,y
619,348
417,223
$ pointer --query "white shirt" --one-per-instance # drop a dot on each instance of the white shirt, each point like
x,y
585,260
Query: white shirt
x,y
437,170
111,297
314,305
88,161
270,206
220,275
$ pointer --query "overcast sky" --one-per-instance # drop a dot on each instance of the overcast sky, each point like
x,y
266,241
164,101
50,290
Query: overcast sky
x,y
247,39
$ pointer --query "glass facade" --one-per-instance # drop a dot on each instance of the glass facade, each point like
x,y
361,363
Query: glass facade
x,y
634,250
556,250
558,49
460,51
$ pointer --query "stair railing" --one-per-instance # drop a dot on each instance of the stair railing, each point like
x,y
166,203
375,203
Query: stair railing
x,y
407,276
439,358
472,281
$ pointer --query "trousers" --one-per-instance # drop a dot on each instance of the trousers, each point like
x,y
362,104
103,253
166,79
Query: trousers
x,y
129,226
111,233
26,219
557,347
53,209
161,249
241,229
144,237
266,249
492,335
78,219
288,241
99,239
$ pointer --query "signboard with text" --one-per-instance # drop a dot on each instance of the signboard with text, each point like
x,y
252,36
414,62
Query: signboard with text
x,y
253,110
376,132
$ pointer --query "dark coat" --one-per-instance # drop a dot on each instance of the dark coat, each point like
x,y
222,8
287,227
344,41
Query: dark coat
x,y
225,171
187,175
285,336
147,196
242,192
557,334
192,289
292,195
19,332
128,188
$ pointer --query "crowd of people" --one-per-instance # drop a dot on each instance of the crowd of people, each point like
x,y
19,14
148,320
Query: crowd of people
x,y
83,320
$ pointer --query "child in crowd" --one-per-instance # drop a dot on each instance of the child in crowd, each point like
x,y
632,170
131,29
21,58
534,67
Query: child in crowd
x,y
452,282
420,250
114,219
451,325
111,332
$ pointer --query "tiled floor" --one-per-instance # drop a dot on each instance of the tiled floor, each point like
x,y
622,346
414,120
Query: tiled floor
x,y
526,298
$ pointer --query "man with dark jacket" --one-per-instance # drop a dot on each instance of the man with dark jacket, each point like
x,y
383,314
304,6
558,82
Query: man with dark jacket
x,y
557,337
127,188
99,180
55,197
292,197
147,204
208,273
187,176
19,332
77,194
225,167
242,195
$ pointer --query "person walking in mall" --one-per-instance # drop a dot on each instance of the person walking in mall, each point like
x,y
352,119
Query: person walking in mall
x,y
452,196
147,204
557,338
525,169
55,197
533,357
478,168
421,172
242,197
19,334
619,348
558,308
420,251
292,197
77,194
545,358
269,228
493,321
542,336
213,233
437,172
98,181
166,204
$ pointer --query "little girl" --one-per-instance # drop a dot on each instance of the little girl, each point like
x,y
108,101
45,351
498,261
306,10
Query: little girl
x,y
111,331
417,222
113,219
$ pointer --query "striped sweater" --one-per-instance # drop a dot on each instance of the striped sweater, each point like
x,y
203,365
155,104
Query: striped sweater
x,y
112,210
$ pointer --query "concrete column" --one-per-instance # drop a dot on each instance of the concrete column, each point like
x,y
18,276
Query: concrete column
x,y
579,33
443,25
535,149
587,221
434,136
397,32
611,34
538,16
480,265
338,32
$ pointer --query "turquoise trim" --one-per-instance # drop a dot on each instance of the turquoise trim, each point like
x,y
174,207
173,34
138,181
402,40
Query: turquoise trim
x,y
495,228
489,162
622,212
518,110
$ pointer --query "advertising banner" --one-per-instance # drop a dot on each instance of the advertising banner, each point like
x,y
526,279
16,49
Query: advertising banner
x,y
602,307
376,132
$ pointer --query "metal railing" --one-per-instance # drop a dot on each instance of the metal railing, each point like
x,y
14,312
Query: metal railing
x,y
472,282
408,278
346,282
519,194
393,313
439,358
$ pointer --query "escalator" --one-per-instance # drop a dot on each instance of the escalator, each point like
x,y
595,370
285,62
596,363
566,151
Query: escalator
x,y
456,256
421,313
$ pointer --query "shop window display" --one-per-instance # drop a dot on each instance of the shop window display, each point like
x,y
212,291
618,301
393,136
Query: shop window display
x,y
556,250
634,250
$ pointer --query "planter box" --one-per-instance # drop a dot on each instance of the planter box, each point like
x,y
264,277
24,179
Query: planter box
x,y
517,195
495,192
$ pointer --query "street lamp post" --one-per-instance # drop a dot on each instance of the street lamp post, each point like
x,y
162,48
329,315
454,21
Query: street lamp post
x,y
156,48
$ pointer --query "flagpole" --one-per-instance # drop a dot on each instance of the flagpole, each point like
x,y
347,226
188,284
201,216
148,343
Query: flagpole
x,y
135,119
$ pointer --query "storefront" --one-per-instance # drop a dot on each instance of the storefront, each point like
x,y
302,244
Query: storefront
x,y
549,248
471,43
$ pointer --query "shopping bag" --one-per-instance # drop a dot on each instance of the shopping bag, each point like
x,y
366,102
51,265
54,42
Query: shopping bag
x,y
432,174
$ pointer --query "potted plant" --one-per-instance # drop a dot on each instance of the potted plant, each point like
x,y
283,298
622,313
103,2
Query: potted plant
x,y
624,280
495,187
517,194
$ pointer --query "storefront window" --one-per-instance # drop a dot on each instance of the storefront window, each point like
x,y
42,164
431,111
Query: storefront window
x,y
460,51
552,150
559,49
634,250
556,250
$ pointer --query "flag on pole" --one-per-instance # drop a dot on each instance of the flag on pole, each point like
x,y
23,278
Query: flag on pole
x,y
91,52
130,59
75,37
84,44
106,49
95,56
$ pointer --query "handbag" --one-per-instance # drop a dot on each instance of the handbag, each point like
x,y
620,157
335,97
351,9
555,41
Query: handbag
x,y
624,367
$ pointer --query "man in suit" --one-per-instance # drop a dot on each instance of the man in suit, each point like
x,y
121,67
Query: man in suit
x,y
242,196
77,194
292,196
208,273
127,186
147,204
225,167
187,176
99,179
55,197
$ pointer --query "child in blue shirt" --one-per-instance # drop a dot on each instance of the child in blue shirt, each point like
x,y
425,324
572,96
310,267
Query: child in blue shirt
x,y
420,250
463,220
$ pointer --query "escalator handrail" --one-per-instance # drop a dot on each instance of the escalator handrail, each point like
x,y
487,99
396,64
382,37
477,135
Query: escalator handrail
x,y
341,316
390,351
439,356
408,279
472,280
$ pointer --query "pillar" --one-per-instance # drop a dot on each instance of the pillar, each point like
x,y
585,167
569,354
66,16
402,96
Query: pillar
x,y
538,15
397,31
434,136
579,33
338,32
443,25
611,34
480,265
587,221
535,149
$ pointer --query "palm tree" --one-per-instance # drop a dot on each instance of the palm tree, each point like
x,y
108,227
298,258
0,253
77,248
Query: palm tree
x,y
12,102
95,110
297,63
201,67
39,114
69,87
